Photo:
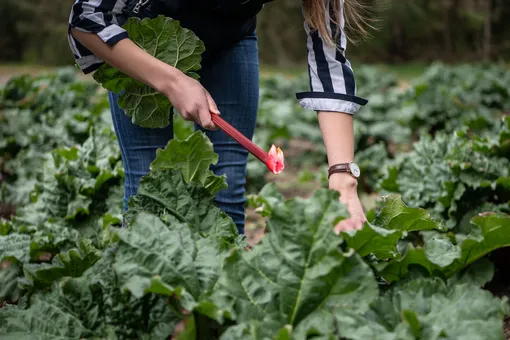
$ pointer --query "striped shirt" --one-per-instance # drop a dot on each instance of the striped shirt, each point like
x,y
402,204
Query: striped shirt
x,y
332,83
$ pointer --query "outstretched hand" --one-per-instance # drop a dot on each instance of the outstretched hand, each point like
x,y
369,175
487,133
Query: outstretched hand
x,y
347,186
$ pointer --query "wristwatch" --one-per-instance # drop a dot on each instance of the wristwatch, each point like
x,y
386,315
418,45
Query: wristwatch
x,y
351,168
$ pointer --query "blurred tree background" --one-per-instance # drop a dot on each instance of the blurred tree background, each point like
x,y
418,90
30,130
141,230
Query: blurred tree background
x,y
35,31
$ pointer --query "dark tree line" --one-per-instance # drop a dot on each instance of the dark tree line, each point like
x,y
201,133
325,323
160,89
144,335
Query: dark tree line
x,y
407,30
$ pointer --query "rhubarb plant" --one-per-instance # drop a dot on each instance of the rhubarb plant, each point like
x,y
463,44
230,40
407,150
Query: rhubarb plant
x,y
454,175
68,216
401,239
179,269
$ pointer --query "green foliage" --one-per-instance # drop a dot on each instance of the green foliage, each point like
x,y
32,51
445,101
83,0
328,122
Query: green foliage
x,y
436,252
166,40
68,216
181,187
443,97
193,158
427,309
179,261
298,275
400,239
162,271
440,100
202,248
40,114
454,175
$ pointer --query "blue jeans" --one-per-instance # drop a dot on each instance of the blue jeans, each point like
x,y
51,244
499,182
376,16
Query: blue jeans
x,y
232,78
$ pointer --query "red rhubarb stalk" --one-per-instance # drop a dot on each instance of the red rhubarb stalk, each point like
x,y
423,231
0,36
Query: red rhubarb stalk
x,y
274,160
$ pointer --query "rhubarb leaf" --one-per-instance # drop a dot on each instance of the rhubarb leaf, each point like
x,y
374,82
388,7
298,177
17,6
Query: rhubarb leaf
x,y
396,215
180,257
166,194
441,257
495,231
428,309
166,40
193,158
182,186
72,263
393,222
297,275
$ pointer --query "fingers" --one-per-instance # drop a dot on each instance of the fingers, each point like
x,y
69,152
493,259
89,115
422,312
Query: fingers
x,y
205,118
348,225
212,104
205,112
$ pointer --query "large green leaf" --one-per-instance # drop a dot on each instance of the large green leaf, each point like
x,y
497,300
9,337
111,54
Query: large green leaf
x,y
174,254
193,157
374,240
298,273
396,215
495,230
428,309
479,273
394,221
167,41
181,185
72,263
165,192
441,257
46,319
413,259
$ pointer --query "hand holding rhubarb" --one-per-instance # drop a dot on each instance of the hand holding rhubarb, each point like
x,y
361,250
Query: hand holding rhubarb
x,y
274,159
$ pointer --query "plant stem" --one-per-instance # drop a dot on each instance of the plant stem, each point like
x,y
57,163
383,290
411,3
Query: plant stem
x,y
240,138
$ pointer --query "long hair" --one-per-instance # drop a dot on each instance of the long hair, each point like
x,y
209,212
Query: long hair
x,y
319,18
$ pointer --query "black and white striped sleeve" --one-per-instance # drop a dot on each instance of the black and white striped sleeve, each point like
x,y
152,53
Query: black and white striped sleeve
x,y
102,17
332,83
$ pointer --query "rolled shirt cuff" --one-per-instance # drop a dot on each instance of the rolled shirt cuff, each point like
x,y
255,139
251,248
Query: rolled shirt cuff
x,y
325,101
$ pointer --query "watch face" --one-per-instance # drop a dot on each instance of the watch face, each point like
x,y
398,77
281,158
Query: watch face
x,y
354,169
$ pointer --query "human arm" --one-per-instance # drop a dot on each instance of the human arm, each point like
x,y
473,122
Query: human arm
x,y
95,39
337,130
333,95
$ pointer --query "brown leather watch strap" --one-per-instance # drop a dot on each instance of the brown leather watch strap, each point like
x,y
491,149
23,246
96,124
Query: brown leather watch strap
x,y
344,167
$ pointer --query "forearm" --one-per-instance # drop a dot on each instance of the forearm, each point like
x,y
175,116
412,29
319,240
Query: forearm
x,y
338,134
127,57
